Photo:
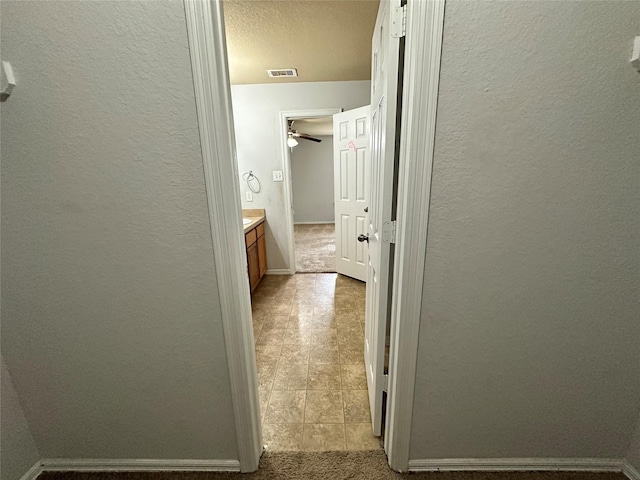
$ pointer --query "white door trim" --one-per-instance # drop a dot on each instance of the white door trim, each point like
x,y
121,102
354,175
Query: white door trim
x,y
207,47
425,26
286,168
33,472
630,471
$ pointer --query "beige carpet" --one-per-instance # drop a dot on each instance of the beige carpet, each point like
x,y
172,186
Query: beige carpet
x,y
366,465
315,248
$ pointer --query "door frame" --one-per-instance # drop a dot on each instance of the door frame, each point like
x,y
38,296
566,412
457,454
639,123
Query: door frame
x,y
422,61
207,47
208,52
286,168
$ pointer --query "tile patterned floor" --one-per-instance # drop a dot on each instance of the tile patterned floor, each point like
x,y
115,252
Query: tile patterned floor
x,y
309,334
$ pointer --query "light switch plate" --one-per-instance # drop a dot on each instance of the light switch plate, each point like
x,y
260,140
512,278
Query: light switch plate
x,y
277,176
249,196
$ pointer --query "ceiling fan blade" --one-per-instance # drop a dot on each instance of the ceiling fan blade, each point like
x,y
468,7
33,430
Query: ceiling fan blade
x,y
304,136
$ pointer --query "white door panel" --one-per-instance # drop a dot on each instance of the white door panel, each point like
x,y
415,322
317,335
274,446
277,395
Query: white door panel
x,y
384,87
351,170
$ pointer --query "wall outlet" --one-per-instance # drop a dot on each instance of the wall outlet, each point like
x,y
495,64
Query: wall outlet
x,y
277,176
249,196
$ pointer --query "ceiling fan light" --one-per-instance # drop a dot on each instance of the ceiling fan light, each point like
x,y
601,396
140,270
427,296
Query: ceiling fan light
x,y
292,142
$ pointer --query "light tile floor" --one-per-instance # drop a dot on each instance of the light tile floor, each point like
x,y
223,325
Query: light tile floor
x,y
309,334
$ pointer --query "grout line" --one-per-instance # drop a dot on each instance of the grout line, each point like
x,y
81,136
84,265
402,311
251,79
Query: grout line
x,y
344,428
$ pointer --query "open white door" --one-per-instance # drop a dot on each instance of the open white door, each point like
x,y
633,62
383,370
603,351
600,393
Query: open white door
x,y
384,90
351,159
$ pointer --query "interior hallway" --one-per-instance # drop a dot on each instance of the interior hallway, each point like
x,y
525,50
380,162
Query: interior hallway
x,y
309,333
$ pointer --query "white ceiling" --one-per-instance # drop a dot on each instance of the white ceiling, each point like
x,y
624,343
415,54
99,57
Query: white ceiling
x,y
325,40
322,126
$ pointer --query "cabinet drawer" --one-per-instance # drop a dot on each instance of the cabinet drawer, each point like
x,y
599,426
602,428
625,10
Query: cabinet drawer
x,y
260,229
250,237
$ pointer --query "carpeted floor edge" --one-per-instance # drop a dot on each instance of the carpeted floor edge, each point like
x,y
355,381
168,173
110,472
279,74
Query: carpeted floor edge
x,y
351,465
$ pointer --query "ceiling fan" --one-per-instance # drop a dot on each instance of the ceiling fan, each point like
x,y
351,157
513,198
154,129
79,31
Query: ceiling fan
x,y
293,135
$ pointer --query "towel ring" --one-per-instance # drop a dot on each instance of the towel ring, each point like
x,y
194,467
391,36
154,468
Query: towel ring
x,y
252,181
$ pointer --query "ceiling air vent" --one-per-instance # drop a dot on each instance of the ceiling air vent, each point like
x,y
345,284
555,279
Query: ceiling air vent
x,y
283,72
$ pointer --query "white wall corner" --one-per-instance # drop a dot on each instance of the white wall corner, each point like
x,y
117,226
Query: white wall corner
x,y
518,464
33,472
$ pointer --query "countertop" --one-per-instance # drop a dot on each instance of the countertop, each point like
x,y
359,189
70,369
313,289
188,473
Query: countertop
x,y
256,215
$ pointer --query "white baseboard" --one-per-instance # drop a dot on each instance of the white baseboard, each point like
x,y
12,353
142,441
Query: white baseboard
x,y
278,271
33,472
517,464
630,471
312,223
129,465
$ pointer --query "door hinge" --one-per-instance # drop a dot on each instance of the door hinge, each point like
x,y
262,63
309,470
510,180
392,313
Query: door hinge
x,y
385,383
399,22
389,231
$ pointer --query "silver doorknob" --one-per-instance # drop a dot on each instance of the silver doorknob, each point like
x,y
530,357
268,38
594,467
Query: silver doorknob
x,y
363,238
366,209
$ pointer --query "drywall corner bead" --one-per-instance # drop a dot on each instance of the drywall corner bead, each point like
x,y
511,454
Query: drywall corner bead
x,y
8,80
635,56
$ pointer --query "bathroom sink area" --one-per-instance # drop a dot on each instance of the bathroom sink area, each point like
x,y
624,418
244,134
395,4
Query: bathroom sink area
x,y
251,218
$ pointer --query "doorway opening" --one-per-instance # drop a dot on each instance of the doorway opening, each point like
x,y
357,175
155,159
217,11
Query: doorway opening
x,y
309,326
213,98
315,198
310,157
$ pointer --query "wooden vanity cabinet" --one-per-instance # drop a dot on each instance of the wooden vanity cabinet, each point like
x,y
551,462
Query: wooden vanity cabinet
x,y
256,254
254,266
262,250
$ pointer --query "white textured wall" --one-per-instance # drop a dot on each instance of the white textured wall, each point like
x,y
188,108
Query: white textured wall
x,y
111,325
256,110
312,174
529,343
633,454
18,452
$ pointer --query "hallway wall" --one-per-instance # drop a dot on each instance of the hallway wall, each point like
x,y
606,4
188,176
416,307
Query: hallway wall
x,y
528,344
312,175
111,321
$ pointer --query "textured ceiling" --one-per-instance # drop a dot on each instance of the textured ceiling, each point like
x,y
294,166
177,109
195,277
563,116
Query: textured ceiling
x,y
320,126
327,40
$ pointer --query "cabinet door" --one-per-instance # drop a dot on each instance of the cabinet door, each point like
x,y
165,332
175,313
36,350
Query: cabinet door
x,y
250,237
254,266
262,254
